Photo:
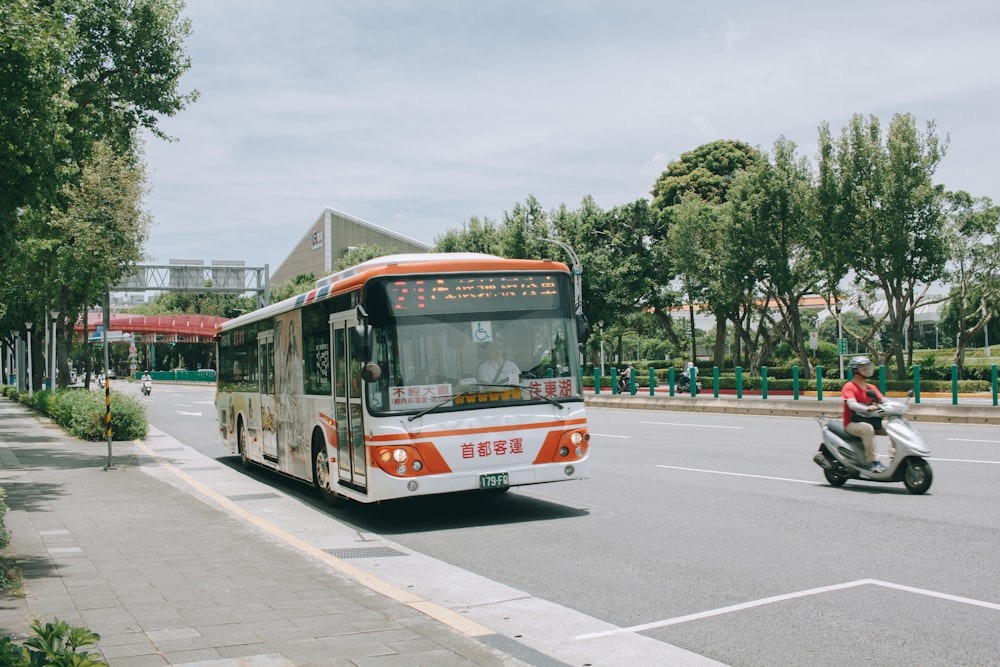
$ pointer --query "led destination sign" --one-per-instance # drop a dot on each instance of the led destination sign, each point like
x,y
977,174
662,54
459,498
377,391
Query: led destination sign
x,y
450,294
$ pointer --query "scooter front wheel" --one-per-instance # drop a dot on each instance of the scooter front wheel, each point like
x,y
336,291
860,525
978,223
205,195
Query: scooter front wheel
x,y
833,478
918,476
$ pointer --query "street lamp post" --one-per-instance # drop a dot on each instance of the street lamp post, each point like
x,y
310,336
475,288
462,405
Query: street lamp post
x,y
840,334
31,392
577,273
52,376
600,328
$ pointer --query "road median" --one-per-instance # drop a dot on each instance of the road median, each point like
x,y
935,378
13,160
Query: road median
x,y
922,412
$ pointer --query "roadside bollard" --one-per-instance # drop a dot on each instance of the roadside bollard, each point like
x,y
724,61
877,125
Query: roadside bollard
x,y
763,382
795,383
954,384
993,382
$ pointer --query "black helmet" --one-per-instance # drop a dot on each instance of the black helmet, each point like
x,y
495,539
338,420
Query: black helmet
x,y
861,365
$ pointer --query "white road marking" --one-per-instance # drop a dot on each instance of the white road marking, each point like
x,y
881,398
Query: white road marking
x,y
962,460
789,596
736,428
992,442
189,414
741,474
605,435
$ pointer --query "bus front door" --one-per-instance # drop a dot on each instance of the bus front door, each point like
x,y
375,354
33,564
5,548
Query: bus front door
x,y
268,421
352,462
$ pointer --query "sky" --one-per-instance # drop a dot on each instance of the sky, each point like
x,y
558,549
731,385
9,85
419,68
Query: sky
x,y
419,115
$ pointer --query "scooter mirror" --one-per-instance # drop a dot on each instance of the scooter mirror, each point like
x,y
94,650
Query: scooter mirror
x,y
871,394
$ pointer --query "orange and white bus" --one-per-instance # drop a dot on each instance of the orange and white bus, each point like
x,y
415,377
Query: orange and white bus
x,y
375,384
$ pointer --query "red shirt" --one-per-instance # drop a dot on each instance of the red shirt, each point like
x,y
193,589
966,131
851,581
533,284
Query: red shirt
x,y
853,390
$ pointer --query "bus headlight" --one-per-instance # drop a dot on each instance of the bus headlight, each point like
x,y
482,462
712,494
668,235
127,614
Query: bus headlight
x,y
399,456
401,469
576,438
417,466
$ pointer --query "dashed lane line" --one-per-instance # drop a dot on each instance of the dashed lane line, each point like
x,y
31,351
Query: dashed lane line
x,y
742,474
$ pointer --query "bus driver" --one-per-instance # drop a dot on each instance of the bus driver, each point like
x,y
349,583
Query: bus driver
x,y
496,369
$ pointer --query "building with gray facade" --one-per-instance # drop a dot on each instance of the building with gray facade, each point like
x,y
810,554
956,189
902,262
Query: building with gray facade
x,y
330,237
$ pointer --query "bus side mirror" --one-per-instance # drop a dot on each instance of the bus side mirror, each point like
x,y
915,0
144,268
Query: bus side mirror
x,y
361,342
371,372
361,337
582,328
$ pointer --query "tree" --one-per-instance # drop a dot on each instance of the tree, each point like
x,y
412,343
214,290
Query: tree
x,y
974,270
774,216
692,240
361,254
96,238
34,46
705,171
704,175
475,236
886,214
83,77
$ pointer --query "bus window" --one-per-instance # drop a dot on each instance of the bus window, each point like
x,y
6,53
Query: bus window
x,y
315,350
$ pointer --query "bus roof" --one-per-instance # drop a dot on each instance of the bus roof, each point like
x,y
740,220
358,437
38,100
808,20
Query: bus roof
x,y
401,264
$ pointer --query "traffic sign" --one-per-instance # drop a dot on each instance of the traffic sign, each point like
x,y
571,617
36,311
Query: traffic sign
x,y
841,346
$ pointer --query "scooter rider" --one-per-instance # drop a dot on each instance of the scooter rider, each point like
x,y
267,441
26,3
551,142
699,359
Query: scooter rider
x,y
857,405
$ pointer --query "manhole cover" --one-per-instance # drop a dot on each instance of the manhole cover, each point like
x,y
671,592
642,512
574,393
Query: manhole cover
x,y
364,552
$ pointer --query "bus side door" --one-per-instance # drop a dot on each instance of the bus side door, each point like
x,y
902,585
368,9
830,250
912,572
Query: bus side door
x,y
352,460
268,422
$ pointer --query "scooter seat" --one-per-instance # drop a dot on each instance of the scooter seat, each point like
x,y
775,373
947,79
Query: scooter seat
x,y
837,428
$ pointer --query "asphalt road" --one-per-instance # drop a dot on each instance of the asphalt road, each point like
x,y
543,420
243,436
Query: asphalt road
x,y
718,534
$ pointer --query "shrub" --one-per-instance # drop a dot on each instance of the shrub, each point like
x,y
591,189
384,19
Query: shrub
x,y
82,413
10,575
53,644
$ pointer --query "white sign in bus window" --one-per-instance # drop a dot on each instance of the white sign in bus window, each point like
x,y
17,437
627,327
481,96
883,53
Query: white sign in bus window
x,y
418,395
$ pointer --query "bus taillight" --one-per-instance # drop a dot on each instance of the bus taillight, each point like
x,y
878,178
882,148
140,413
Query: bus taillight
x,y
564,446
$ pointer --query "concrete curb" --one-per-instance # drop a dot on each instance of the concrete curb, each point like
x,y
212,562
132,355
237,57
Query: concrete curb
x,y
924,412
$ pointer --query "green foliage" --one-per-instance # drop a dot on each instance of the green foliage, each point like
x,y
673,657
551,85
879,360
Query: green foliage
x,y
80,79
298,285
82,413
9,574
358,255
189,303
55,643
706,172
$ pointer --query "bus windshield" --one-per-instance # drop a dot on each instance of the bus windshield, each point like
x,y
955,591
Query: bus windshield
x,y
465,360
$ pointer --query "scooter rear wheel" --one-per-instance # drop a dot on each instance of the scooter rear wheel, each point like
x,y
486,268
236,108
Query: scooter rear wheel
x,y
833,478
918,476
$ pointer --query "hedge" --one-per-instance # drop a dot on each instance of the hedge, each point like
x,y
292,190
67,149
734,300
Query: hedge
x,y
82,412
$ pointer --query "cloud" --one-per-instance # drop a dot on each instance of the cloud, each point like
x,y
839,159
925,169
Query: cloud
x,y
423,115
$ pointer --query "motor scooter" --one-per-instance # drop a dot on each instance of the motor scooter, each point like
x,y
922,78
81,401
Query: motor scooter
x,y
147,387
842,455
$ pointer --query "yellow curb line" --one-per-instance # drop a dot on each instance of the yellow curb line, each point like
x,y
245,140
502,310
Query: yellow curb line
x,y
435,611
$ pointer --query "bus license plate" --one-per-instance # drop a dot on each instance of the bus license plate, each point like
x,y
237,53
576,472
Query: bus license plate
x,y
494,480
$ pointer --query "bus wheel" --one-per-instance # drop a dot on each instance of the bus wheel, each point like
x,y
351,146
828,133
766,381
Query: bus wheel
x,y
321,470
241,444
